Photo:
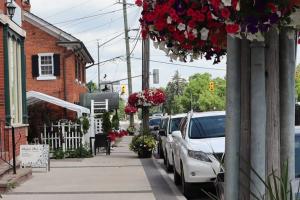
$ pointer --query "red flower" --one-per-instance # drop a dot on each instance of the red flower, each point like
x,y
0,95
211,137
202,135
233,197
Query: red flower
x,y
272,7
112,136
130,109
139,3
225,13
232,28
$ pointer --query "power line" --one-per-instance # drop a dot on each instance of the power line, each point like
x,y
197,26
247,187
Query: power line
x,y
105,61
183,65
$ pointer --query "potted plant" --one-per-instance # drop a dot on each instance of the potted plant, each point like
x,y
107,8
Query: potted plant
x,y
143,145
131,130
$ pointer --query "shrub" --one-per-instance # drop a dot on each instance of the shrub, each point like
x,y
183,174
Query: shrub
x,y
106,124
141,143
115,122
58,154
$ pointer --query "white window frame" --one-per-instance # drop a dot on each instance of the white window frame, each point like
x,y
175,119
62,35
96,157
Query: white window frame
x,y
46,77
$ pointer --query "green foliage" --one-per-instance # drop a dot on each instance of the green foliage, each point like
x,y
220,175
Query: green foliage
x,y
131,130
174,89
91,86
121,111
85,123
142,142
106,123
115,122
58,154
81,152
197,95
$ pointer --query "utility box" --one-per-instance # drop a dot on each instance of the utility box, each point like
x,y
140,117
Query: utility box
x,y
113,99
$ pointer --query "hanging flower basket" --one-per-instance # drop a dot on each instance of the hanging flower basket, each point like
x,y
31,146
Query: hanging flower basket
x,y
146,98
252,18
183,29
129,110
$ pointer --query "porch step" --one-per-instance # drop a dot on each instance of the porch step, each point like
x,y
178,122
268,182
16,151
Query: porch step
x,y
10,181
5,168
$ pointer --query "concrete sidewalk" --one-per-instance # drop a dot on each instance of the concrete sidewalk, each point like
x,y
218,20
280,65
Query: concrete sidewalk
x,y
120,176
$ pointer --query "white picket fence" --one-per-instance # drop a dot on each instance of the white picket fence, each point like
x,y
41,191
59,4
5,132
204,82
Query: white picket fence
x,y
67,136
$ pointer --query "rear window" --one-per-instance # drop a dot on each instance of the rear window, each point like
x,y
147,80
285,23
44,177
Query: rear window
x,y
207,127
297,154
154,122
175,124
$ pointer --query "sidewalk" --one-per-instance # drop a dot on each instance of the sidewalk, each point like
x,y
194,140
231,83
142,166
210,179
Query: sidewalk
x,y
120,176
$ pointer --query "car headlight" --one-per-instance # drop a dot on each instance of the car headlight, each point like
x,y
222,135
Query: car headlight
x,y
199,155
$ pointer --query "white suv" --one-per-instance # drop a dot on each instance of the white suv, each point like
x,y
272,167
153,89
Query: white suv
x,y
169,124
198,148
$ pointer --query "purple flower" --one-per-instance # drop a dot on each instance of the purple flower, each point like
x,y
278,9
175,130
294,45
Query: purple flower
x,y
180,7
274,18
252,28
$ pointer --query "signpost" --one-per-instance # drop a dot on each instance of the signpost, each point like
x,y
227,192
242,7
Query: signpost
x,y
35,156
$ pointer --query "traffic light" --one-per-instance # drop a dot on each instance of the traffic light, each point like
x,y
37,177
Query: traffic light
x,y
211,86
123,89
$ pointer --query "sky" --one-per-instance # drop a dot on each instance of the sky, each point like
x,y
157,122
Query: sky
x,y
106,23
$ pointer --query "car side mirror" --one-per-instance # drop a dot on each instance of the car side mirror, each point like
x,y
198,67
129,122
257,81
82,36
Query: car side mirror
x,y
177,134
162,133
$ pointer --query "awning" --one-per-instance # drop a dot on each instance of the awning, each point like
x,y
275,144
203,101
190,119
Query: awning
x,y
35,97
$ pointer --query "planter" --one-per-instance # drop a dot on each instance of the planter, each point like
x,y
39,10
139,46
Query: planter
x,y
145,153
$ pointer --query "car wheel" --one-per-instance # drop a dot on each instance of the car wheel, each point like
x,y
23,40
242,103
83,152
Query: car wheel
x,y
186,187
169,167
177,179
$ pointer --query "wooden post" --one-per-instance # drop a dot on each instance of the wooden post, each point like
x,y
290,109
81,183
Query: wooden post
x,y
287,62
145,79
233,102
245,140
273,103
258,118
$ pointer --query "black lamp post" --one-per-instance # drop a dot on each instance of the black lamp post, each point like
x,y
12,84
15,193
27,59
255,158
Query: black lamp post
x,y
11,8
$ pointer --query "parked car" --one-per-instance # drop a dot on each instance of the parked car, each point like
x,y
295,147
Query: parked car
x,y
154,123
169,124
197,149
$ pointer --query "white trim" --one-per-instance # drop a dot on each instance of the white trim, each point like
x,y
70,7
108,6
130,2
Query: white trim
x,y
4,19
45,78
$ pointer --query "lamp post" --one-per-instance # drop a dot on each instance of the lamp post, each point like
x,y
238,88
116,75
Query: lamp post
x,y
11,8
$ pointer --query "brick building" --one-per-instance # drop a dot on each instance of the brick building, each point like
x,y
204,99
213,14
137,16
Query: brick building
x,y
13,109
55,62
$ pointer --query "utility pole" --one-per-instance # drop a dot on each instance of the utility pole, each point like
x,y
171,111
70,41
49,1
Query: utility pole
x,y
99,81
128,55
145,80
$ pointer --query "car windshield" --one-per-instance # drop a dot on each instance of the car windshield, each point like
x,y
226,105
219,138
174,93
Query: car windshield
x,y
175,124
207,127
297,158
154,122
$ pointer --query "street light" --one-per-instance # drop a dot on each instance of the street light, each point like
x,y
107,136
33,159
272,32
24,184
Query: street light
x,y
11,8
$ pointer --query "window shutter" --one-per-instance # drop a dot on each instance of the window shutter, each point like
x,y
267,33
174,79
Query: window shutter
x,y
56,58
35,65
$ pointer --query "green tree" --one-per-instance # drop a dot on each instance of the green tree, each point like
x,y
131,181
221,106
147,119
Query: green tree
x,y
174,89
91,86
115,121
106,123
198,96
121,111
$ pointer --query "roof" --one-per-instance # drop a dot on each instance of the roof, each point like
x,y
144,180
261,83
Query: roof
x,y
207,114
36,97
65,39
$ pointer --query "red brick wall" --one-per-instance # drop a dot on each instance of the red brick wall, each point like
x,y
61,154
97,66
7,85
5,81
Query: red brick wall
x,y
38,41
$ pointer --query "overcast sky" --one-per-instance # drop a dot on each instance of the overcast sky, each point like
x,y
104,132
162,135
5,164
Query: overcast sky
x,y
107,23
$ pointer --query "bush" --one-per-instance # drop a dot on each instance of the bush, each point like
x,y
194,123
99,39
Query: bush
x,y
106,124
58,154
115,122
81,152
142,143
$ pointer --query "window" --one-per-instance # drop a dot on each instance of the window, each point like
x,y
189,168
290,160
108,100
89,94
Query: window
x,y
182,126
207,127
46,65
78,70
15,80
175,124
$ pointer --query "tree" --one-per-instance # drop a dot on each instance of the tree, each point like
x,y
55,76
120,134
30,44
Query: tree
x,y
106,123
91,86
198,97
174,89
121,111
